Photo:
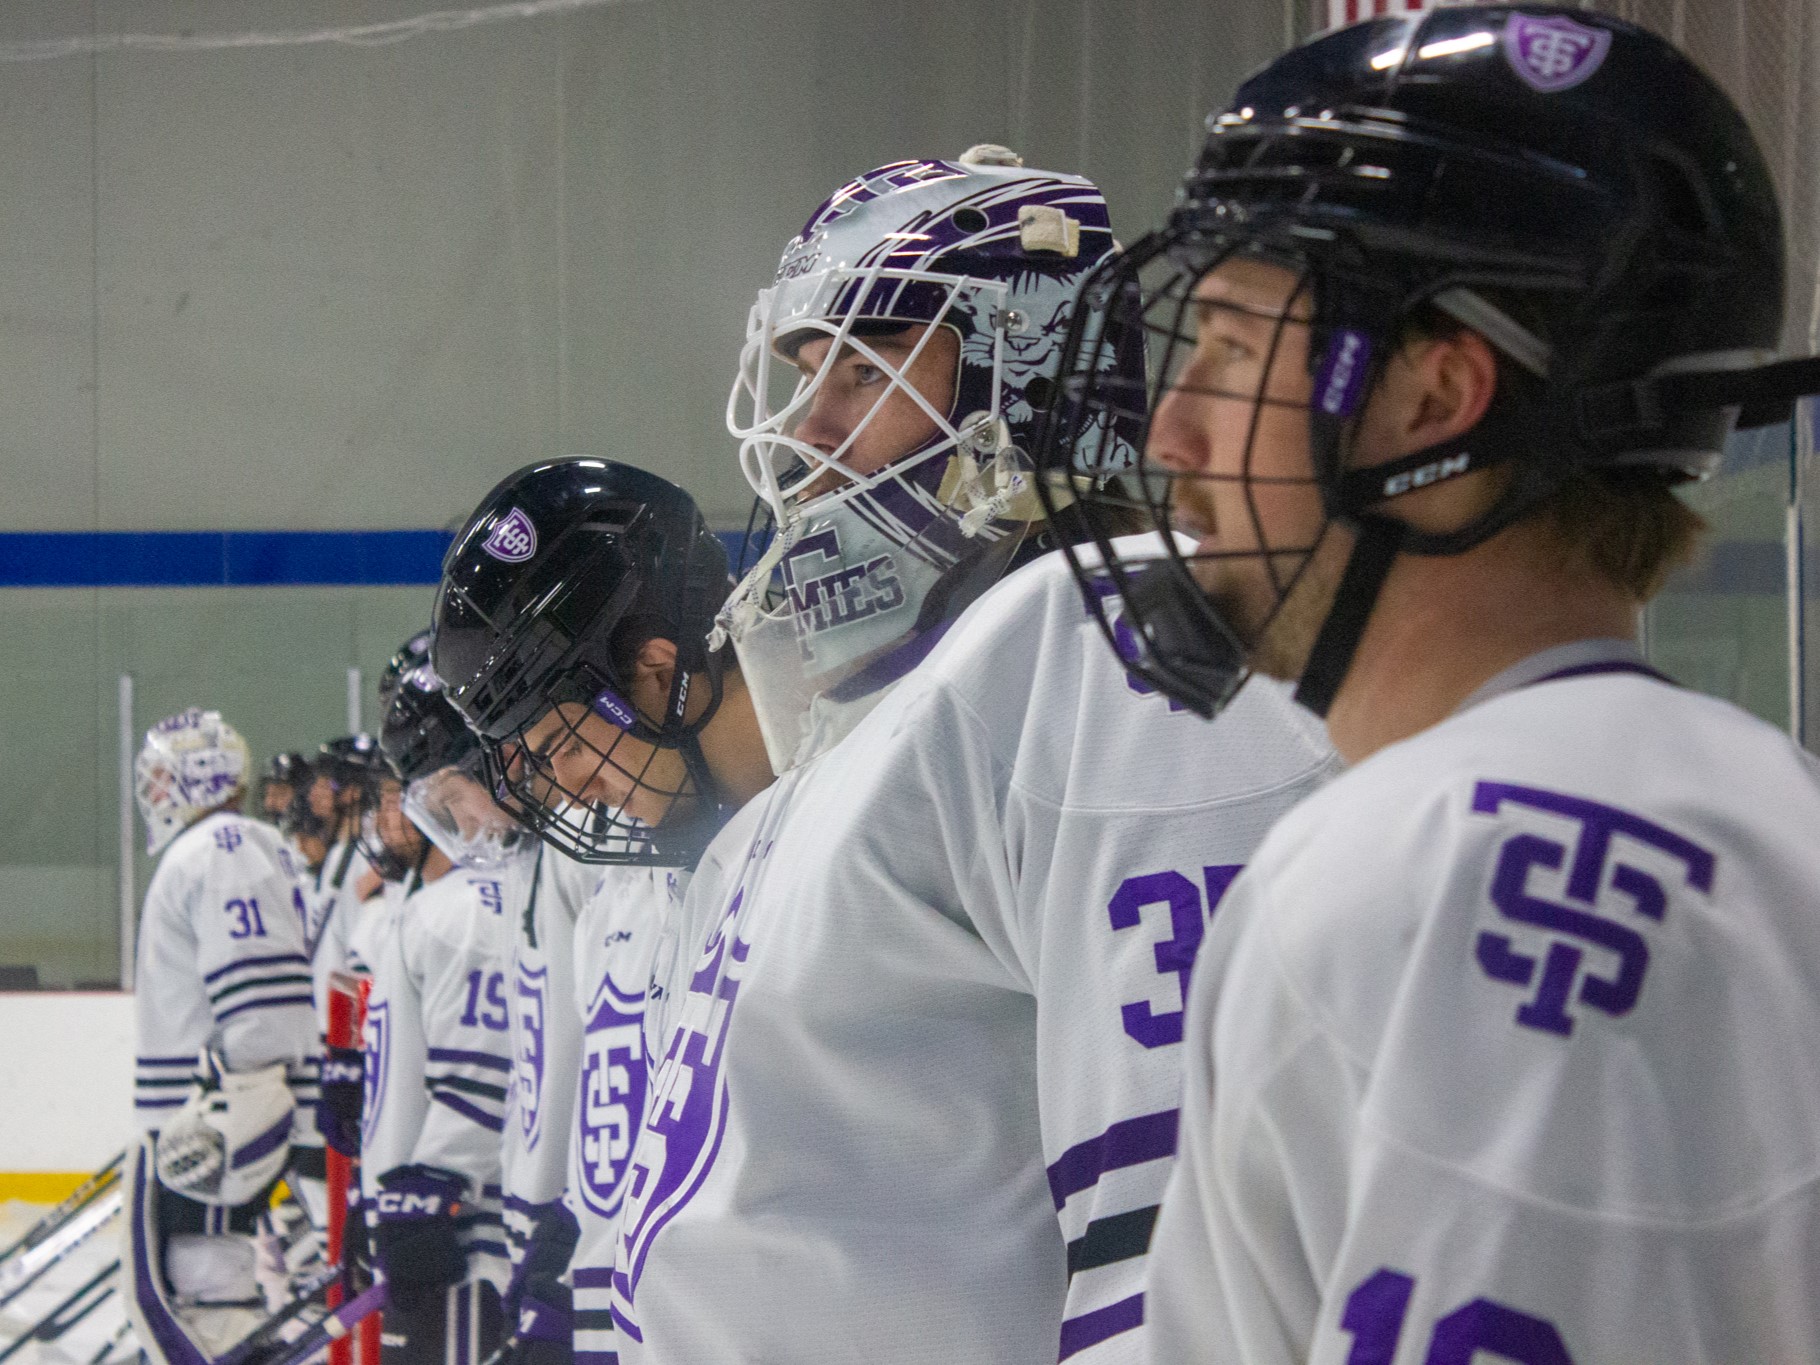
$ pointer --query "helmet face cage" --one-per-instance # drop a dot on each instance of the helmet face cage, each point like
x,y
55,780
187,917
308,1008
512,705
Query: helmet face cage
x,y
771,395
596,742
1152,602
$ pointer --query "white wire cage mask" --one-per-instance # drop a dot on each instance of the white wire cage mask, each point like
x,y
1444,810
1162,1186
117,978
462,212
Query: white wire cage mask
x,y
771,397
457,814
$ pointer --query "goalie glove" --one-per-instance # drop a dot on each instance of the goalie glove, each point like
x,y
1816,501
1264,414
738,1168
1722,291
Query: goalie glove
x,y
417,1233
230,1140
338,1111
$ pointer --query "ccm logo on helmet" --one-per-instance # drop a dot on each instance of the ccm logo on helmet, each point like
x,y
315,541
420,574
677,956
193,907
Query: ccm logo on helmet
x,y
1427,474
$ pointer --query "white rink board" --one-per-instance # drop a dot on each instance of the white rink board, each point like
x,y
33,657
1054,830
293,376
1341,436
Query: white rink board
x,y
66,1079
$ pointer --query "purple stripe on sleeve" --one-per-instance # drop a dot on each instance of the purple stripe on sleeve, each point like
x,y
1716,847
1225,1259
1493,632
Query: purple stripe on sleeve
x,y
165,1061
597,1358
245,962
1090,1329
1129,1142
455,1054
264,1004
593,1277
177,1103
487,1249
469,1111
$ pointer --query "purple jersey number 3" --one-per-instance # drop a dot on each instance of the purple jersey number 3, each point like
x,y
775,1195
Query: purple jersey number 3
x,y
1175,954
1374,1316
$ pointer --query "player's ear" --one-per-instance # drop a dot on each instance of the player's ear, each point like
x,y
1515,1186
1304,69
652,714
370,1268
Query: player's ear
x,y
1456,379
653,673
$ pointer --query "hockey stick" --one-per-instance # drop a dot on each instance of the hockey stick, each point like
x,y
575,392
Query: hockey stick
x,y
107,1347
98,1183
53,1324
332,1328
310,1293
21,1273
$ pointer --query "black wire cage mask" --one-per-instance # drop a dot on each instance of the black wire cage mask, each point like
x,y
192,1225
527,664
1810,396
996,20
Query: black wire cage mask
x,y
1404,176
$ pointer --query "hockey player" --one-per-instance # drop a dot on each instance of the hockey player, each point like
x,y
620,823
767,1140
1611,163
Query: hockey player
x,y
346,766
1503,1045
583,590
917,1073
278,783
224,1024
437,1057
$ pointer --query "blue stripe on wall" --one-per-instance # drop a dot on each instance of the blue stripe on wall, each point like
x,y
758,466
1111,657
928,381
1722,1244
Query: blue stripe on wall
x,y
217,559
229,559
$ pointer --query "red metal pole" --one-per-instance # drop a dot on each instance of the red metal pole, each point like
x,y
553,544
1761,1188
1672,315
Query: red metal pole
x,y
347,1011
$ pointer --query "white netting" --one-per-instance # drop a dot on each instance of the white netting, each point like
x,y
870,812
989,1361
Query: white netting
x,y
352,35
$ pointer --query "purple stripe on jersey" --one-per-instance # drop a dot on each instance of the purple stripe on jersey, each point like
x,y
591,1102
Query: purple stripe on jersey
x,y
488,1249
597,1358
455,1054
165,1061
592,1277
177,1103
1129,1142
1090,1329
269,1141
1608,666
246,962
626,1325
466,1110
264,1004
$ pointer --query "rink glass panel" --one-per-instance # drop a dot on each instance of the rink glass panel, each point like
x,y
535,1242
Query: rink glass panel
x,y
274,661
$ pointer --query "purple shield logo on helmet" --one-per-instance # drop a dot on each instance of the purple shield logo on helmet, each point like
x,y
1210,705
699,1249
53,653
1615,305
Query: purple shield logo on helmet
x,y
514,539
1554,53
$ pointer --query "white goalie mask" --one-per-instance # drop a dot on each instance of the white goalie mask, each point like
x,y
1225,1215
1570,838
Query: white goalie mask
x,y
191,763
875,549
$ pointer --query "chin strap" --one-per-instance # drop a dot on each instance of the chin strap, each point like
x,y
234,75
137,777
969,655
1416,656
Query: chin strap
x,y
1379,540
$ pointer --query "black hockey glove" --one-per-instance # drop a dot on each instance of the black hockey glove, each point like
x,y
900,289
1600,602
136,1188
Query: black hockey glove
x,y
338,1111
539,1305
417,1233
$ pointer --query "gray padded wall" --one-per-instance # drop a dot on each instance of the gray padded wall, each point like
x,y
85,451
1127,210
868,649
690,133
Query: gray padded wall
x,y
334,287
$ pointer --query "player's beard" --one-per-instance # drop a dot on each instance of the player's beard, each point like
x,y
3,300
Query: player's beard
x,y
1287,640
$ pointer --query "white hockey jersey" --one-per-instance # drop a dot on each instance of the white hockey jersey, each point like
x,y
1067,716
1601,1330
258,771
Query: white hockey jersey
x,y
616,937
545,1042
1507,1046
920,1100
221,963
438,1058
329,898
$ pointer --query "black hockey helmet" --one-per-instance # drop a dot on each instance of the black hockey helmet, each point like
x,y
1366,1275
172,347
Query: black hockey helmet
x,y
1567,185
414,653
565,570
421,731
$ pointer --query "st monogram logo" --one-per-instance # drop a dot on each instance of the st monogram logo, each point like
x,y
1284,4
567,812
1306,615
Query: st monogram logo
x,y
514,539
1603,892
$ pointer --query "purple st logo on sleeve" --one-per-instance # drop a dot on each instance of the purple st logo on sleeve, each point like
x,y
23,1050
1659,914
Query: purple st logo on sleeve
x,y
1341,381
514,539
1553,54
612,706
1609,895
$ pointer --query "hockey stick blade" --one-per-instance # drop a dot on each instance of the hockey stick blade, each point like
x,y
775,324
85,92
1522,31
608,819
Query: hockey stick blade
x,y
332,1328
23,1271
50,1327
92,1188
